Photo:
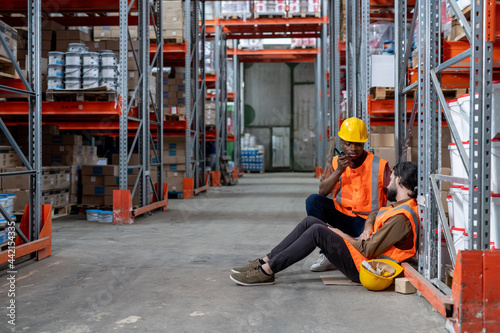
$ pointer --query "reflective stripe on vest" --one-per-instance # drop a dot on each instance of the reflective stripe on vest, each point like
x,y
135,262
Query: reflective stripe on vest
x,y
393,252
371,188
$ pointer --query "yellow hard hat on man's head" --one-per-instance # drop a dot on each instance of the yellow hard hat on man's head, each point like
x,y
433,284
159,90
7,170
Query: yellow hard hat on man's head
x,y
353,130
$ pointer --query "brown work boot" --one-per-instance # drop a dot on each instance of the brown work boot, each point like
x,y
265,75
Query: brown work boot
x,y
251,265
253,277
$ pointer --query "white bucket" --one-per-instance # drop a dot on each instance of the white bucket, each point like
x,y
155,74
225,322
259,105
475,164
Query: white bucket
x,y
73,72
457,206
495,165
495,221
73,59
108,59
77,47
90,59
55,83
464,102
457,166
73,83
56,58
464,194
109,72
459,239
106,216
3,202
89,82
93,214
110,82
90,71
55,71
449,201
456,115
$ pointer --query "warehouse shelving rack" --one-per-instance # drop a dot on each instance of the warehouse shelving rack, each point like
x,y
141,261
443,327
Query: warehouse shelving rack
x,y
296,27
196,86
34,232
121,116
474,290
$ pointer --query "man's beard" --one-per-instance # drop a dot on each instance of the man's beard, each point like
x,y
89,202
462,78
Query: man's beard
x,y
391,195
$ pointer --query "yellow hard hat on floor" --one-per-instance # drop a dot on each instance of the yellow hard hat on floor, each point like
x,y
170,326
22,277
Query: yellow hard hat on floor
x,y
381,274
353,130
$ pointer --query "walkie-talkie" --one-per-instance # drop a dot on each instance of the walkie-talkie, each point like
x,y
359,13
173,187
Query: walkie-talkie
x,y
340,153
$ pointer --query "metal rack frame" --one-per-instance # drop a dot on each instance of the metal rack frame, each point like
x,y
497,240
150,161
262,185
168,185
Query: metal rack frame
x,y
33,162
335,91
220,91
429,94
236,110
196,156
143,140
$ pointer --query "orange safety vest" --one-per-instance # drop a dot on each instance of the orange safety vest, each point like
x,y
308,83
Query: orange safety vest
x,y
360,191
410,210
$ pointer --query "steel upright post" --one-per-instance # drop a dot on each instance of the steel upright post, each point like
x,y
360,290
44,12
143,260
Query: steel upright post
x,y
428,131
236,109
35,117
335,69
481,76
324,83
365,74
143,147
123,138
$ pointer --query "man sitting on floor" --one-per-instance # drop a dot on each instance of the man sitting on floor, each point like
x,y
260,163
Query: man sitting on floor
x,y
391,234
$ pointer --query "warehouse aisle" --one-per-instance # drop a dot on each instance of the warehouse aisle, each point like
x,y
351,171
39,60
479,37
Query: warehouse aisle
x,y
170,273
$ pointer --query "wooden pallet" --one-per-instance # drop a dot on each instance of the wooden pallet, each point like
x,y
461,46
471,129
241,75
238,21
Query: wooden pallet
x,y
173,40
61,211
277,15
254,171
101,94
308,14
7,69
381,93
235,16
173,117
294,47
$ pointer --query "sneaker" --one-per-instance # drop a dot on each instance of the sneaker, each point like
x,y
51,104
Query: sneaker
x,y
322,265
251,265
253,277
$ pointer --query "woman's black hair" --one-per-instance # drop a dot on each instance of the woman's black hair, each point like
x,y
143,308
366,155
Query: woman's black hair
x,y
407,172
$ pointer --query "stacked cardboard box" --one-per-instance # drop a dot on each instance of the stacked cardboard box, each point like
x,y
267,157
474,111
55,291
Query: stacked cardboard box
x,y
55,186
174,160
111,32
10,36
68,150
173,20
8,157
66,37
174,90
99,182
209,113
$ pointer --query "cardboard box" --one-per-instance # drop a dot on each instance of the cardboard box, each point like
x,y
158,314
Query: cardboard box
x,y
93,200
65,149
100,170
175,174
63,180
134,159
174,142
72,140
173,33
10,36
63,198
93,180
89,159
73,199
382,140
115,181
61,160
175,167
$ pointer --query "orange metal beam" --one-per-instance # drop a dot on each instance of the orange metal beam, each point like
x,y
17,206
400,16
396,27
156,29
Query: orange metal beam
x,y
442,303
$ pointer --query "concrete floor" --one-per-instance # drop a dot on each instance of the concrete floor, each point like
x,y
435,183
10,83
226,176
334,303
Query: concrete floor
x,y
170,273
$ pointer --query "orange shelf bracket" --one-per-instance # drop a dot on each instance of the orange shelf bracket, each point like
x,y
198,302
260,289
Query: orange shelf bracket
x,y
188,188
319,172
43,245
216,178
122,207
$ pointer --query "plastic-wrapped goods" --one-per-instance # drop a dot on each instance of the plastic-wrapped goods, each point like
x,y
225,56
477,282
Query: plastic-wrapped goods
x,y
235,8
209,57
271,7
230,76
380,32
